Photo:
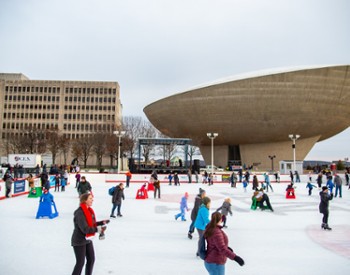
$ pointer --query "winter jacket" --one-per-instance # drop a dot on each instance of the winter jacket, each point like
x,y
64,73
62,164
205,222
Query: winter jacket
x,y
225,208
84,187
324,204
202,218
330,183
338,181
183,204
118,195
217,248
81,228
197,204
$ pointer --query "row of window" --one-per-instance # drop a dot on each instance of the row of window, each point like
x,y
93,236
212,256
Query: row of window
x,y
66,127
27,107
89,117
67,136
90,108
32,98
87,99
71,90
30,116
33,89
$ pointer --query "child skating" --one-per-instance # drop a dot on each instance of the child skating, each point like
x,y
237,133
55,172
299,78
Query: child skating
x,y
183,208
225,210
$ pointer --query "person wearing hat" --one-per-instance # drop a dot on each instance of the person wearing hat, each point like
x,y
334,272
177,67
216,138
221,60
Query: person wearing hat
x,y
325,197
197,204
183,208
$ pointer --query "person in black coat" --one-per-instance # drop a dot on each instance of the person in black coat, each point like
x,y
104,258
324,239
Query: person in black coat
x,y
85,228
197,204
117,197
324,206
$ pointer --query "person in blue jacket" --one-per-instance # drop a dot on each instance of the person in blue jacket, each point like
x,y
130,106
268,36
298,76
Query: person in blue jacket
x,y
330,184
202,219
183,208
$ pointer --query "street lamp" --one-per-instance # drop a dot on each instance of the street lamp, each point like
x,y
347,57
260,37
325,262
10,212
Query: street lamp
x,y
271,158
212,136
119,134
294,138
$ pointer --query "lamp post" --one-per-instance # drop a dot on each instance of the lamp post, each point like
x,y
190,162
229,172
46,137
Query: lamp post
x,y
212,136
294,138
271,158
119,134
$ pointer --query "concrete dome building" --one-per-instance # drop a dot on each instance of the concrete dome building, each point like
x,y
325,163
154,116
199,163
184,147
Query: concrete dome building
x,y
254,114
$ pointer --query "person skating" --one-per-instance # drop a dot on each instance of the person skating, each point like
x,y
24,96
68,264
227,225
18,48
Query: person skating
x,y
225,210
267,182
117,198
310,186
202,219
84,186
8,183
183,208
156,185
85,228
338,185
217,247
194,212
325,197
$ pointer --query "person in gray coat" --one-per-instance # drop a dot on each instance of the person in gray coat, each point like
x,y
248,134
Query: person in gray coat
x,y
225,210
117,197
84,186
197,204
338,186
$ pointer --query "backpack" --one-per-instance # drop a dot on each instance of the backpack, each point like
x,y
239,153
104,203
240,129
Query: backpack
x,y
111,191
202,252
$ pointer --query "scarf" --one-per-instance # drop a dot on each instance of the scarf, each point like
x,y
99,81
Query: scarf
x,y
90,219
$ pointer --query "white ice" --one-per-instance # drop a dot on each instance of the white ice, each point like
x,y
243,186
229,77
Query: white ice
x,y
147,239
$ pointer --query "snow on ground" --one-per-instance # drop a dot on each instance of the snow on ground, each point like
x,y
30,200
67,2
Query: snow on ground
x,y
148,241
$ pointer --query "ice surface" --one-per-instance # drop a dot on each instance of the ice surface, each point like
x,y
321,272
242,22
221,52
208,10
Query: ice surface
x,y
147,239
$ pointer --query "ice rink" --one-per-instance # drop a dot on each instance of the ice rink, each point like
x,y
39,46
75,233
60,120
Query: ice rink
x,y
147,239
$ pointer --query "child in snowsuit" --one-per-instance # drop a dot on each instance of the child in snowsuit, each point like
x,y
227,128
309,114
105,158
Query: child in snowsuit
x,y
183,208
245,184
225,210
57,183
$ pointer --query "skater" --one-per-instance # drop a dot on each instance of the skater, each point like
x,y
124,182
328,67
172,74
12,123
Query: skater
x,y
85,227
310,176
57,183
77,179
189,175
8,183
325,197
233,180
156,185
277,176
255,182
268,183
30,180
170,178
225,210
291,176
338,185
330,183
194,212
183,208
297,177
202,219
117,197
176,179
319,180
63,184
261,197
347,179
84,186
310,186
245,184
205,177
217,247
128,178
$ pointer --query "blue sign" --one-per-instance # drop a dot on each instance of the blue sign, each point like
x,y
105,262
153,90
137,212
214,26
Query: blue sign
x,y
19,186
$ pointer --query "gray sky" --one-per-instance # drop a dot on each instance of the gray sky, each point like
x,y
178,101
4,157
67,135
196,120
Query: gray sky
x,y
155,48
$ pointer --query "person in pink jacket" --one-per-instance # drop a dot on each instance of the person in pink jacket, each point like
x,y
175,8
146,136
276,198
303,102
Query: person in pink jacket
x,y
217,247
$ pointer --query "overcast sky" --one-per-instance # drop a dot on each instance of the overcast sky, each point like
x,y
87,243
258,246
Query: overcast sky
x,y
155,48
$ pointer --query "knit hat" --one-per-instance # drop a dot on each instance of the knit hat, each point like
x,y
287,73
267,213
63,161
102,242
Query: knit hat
x,y
201,191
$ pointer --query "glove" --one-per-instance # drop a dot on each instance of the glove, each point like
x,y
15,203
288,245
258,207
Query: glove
x,y
239,260
101,228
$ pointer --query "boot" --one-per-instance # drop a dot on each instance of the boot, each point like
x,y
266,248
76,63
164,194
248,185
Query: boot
x,y
326,227
323,225
189,235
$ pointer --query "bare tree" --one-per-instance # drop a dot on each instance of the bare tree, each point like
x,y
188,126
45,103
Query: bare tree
x,y
132,125
82,148
99,147
112,147
53,142
65,145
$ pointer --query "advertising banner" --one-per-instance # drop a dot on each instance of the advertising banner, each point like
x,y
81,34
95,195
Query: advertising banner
x,y
19,186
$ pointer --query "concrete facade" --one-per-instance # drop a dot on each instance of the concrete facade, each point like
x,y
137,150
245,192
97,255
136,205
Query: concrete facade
x,y
257,112
75,108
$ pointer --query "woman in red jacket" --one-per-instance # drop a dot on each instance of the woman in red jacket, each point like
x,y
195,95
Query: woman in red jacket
x,y
217,247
